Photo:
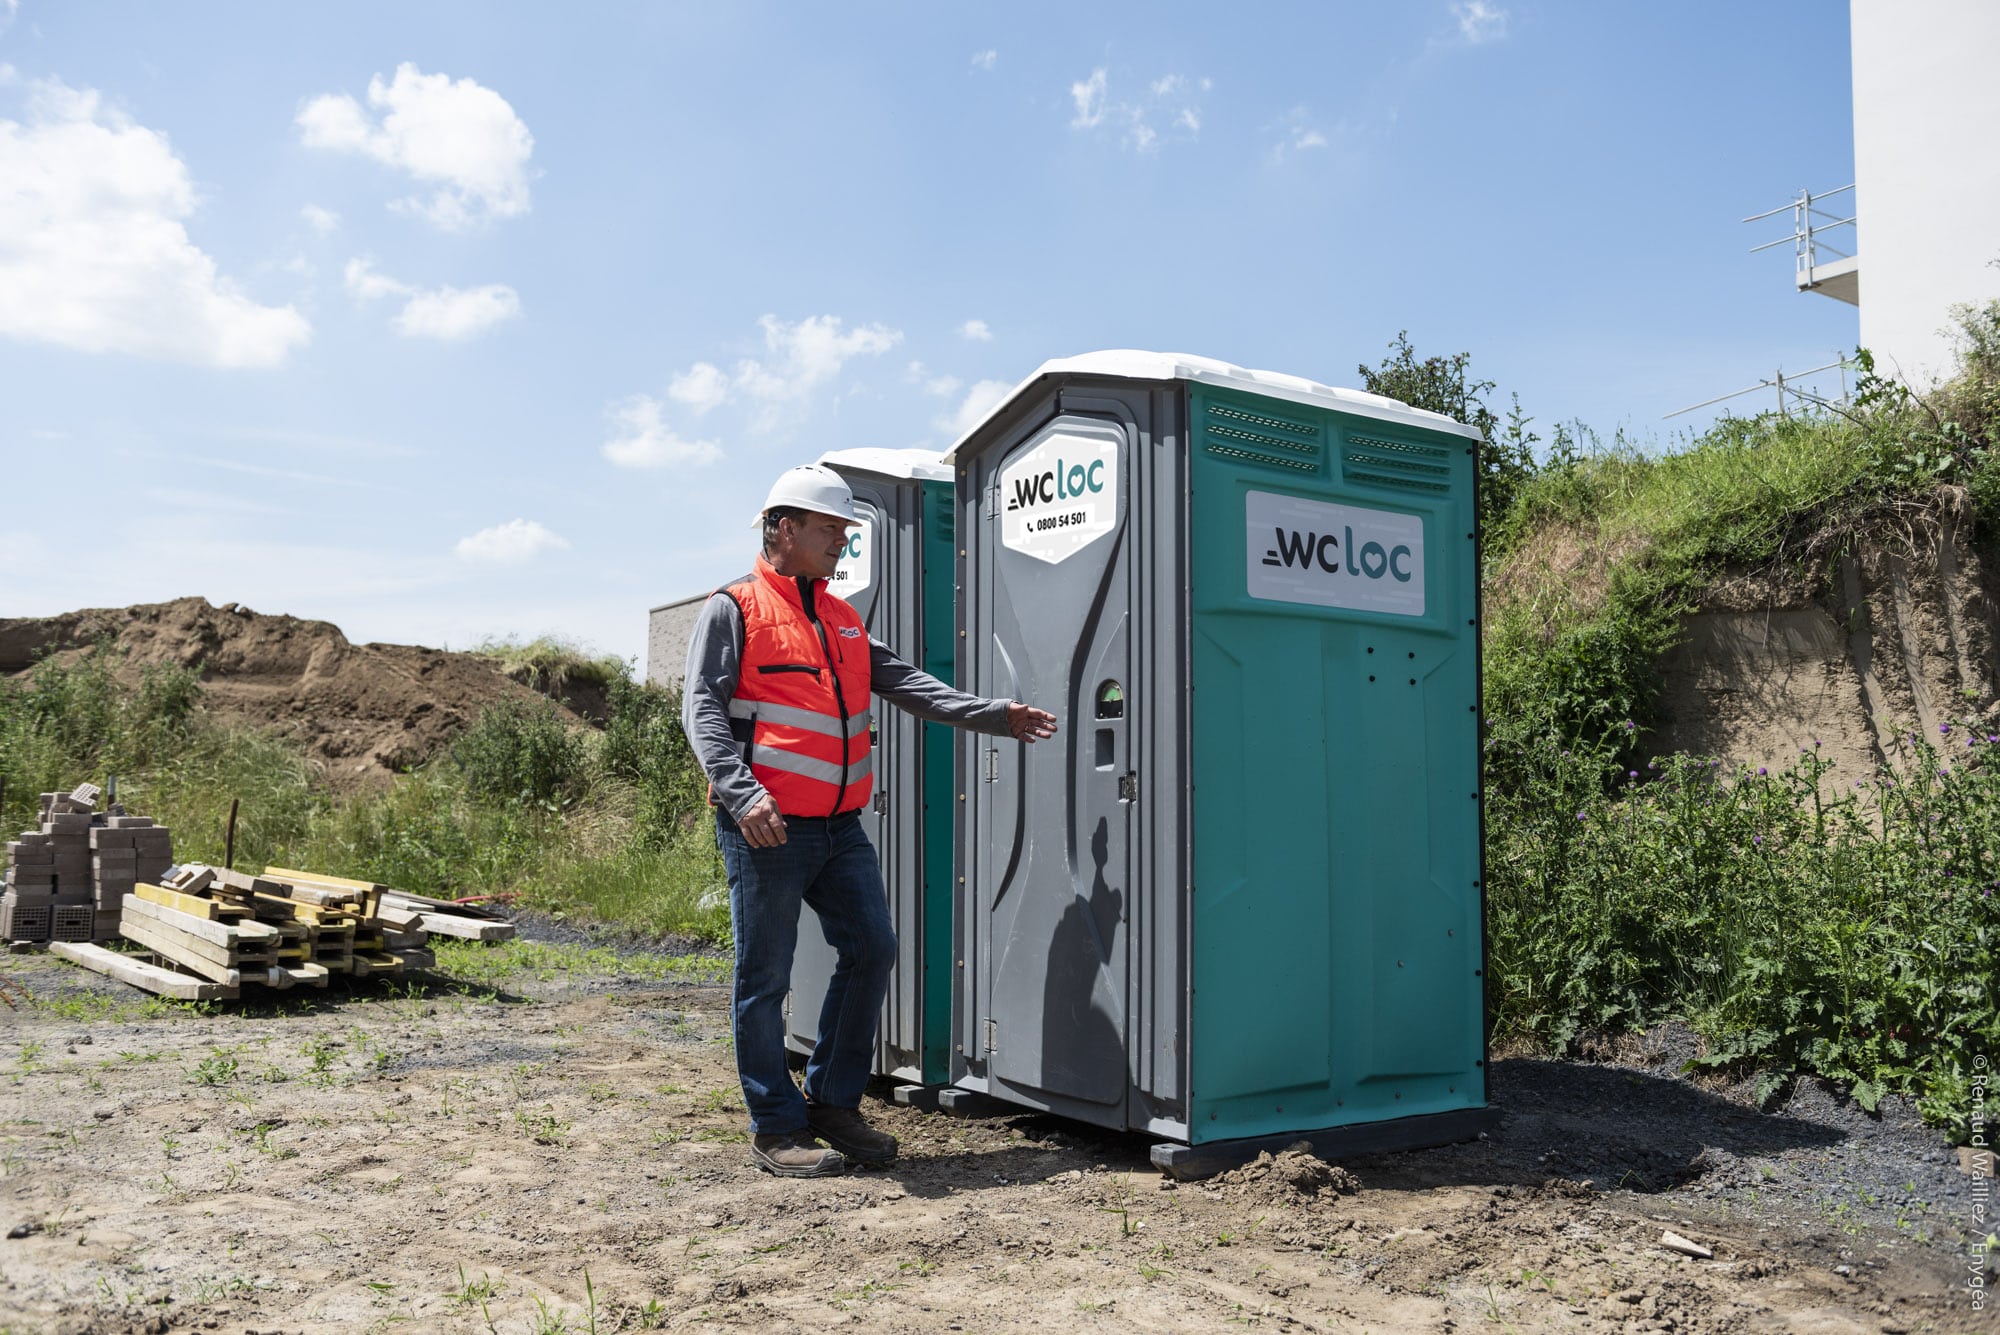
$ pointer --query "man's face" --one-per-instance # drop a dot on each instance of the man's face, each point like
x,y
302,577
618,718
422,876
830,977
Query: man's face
x,y
816,546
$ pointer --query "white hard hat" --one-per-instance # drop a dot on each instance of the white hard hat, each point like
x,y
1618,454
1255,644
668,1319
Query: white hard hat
x,y
811,487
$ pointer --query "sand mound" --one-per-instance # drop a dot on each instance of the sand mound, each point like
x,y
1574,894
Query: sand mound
x,y
1292,1175
364,710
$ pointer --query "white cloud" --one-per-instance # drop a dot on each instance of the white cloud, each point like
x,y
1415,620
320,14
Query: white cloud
x,y
1480,22
942,386
319,219
985,60
365,284
453,313
448,313
1297,133
800,358
458,135
94,253
1170,99
980,400
702,387
1088,95
976,331
513,543
643,440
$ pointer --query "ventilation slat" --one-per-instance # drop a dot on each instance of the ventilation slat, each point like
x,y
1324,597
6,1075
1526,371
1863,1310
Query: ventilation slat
x,y
1262,437
1406,465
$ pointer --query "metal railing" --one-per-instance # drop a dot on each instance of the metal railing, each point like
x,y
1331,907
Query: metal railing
x,y
1787,385
1810,225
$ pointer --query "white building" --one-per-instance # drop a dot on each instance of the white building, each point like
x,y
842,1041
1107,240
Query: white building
x,y
1926,178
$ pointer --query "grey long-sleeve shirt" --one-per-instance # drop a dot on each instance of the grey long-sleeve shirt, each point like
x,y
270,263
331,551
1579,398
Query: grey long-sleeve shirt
x,y
715,664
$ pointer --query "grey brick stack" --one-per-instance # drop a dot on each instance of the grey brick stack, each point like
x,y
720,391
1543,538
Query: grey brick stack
x,y
67,880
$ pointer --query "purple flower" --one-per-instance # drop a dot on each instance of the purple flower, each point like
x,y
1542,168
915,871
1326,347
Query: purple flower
x,y
1579,815
1815,743
1631,774
1757,839
1628,725
1944,729
1762,770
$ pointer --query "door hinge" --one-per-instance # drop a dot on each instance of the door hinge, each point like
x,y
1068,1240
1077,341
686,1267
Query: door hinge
x,y
992,764
881,802
1128,786
992,1036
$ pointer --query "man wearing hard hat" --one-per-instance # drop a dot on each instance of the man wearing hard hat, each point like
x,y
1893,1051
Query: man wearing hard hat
x,y
781,680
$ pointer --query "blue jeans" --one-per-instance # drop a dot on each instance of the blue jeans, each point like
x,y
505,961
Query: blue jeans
x,y
830,865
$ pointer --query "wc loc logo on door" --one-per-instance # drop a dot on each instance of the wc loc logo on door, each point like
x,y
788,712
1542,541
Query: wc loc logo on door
x,y
1304,551
1060,483
1060,493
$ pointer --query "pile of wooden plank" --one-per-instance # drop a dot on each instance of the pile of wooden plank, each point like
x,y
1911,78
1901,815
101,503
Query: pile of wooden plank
x,y
211,931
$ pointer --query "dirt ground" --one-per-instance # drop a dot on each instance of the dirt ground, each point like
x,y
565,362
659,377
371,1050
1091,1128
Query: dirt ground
x,y
541,1141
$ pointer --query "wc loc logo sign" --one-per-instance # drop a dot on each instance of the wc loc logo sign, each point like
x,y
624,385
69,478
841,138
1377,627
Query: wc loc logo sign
x,y
1059,494
856,570
1301,551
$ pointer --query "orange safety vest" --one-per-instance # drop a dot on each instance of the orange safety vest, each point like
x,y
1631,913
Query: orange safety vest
x,y
802,706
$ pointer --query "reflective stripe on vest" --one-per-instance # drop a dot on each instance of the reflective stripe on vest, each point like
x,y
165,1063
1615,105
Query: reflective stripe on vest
x,y
796,683
808,719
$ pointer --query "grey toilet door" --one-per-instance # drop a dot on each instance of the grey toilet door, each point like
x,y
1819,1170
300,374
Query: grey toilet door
x,y
813,959
1054,849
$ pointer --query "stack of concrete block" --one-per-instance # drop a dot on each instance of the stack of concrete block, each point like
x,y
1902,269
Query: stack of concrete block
x,y
67,880
27,906
125,851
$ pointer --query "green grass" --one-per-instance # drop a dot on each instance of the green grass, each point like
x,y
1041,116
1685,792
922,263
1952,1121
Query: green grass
x,y
542,961
549,662
678,889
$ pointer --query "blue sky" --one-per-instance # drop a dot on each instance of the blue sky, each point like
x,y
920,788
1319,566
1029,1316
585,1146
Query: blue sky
x,y
457,320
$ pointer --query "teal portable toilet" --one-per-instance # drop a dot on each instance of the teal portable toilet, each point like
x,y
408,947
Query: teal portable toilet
x,y
1236,902
905,501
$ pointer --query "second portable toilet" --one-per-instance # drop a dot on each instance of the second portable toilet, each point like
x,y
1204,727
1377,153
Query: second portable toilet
x,y
904,498
1237,900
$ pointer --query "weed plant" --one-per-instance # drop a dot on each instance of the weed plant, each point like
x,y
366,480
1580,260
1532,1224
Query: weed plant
x,y
1799,923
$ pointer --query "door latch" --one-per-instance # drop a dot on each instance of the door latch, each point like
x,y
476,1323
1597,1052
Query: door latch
x,y
1128,786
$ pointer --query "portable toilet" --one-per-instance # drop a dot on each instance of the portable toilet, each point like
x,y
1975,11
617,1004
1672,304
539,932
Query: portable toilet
x,y
1236,902
905,501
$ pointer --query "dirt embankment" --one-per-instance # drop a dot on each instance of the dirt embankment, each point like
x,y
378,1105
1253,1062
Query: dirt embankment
x,y
363,710
1888,625
1899,634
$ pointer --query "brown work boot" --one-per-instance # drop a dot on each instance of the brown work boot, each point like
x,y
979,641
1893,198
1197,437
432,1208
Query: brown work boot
x,y
795,1154
848,1132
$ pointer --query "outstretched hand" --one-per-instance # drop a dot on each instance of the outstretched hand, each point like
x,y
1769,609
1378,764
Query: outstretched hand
x,y
1029,724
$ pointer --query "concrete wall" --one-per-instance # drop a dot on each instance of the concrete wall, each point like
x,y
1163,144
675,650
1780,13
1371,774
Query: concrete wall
x,y
669,627
1926,173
